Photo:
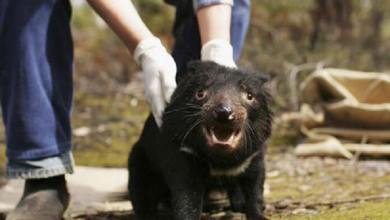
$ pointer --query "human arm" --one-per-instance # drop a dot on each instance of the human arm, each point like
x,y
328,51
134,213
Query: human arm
x,y
124,20
158,66
214,26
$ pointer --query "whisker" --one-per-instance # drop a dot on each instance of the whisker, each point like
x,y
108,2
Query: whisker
x,y
193,126
181,109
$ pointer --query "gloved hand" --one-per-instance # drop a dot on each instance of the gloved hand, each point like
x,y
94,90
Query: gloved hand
x,y
160,74
219,51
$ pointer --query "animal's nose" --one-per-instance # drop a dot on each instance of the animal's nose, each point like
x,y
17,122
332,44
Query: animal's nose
x,y
223,112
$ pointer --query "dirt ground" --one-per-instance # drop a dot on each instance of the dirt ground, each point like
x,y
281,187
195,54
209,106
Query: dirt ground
x,y
314,188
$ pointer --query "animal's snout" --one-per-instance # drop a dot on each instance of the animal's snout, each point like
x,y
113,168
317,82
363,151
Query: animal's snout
x,y
223,113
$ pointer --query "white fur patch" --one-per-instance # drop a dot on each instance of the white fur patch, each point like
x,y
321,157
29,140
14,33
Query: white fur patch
x,y
232,171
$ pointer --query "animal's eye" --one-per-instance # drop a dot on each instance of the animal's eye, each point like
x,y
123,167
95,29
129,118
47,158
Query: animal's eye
x,y
250,96
200,94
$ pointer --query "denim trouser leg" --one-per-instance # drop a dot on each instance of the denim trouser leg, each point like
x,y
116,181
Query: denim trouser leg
x,y
186,31
40,168
36,61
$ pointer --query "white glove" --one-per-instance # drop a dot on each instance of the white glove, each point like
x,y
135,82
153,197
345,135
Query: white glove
x,y
219,51
160,74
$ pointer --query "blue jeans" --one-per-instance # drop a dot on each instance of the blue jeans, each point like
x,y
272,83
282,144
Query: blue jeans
x,y
36,91
36,64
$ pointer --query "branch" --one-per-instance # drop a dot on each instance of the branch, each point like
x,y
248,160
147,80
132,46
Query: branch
x,y
293,74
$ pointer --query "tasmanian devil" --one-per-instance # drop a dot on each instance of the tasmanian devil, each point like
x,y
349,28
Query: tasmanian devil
x,y
214,132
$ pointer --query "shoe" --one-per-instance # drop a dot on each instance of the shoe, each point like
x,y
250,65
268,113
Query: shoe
x,y
43,199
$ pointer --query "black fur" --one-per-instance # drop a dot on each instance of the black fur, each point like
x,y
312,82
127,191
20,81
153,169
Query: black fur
x,y
175,165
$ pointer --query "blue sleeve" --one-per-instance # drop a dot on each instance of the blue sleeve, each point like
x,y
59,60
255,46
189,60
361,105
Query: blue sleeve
x,y
198,4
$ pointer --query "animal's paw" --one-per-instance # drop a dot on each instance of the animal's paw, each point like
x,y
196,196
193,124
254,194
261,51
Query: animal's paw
x,y
237,205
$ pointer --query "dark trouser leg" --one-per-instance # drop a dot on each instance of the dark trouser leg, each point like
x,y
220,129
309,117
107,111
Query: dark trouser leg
x,y
36,58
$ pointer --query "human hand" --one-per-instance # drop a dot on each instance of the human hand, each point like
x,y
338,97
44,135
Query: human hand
x,y
159,69
219,51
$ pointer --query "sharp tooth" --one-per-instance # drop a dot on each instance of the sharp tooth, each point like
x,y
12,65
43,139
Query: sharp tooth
x,y
215,140
231,139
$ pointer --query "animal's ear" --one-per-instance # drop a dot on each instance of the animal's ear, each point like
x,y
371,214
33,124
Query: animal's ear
x,y
196,67
262,77
258,78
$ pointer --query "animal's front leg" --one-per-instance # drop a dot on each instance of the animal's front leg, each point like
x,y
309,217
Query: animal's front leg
x,y
252,188
187,201
186,183
237,200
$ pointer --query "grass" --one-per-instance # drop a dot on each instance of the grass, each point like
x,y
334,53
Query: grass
x,y
378,210
115,123
303,183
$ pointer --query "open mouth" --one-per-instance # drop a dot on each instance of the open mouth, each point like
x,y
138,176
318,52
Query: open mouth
x,y
223,136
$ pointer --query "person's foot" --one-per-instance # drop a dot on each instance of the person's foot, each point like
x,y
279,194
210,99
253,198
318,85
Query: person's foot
x,y
45,199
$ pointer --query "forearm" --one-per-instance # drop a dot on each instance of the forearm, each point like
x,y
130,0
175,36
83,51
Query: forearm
x,y
214,27
123,19
157,64
214,22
